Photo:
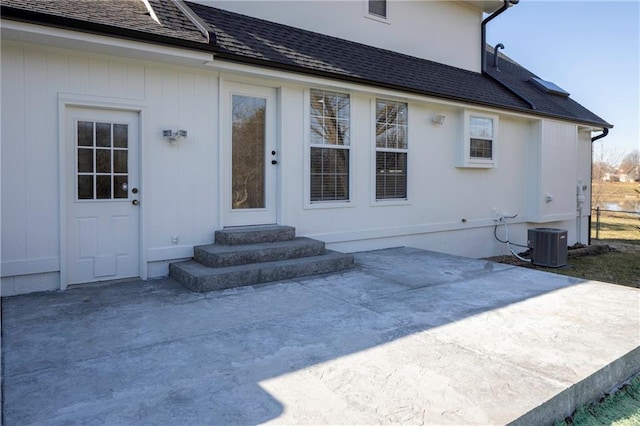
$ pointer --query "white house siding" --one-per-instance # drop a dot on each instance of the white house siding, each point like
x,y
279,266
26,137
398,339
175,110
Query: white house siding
x,y
553,172
446,206
178,189
441,31
584,175
450,209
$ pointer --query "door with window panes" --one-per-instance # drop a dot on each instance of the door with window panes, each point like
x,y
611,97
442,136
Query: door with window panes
x,y
103,196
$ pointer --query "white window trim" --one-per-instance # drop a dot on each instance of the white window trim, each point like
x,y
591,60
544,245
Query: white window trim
x,y
331,204
464,155
375,202
381,19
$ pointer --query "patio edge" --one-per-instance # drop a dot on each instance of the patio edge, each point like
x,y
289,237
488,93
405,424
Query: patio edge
x,y
583,392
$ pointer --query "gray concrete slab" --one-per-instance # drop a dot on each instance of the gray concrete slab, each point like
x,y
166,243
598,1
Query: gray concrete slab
x,y
408,336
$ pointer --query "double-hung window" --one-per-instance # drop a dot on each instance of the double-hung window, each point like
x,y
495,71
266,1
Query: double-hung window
x,y
329,145
377,8
479,146
481,137
391,150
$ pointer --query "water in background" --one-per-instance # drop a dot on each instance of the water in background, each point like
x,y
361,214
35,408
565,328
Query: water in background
x,y
626,206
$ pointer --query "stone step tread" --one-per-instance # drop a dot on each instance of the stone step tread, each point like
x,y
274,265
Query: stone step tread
x,y
254,234
216,255
221,248
198,277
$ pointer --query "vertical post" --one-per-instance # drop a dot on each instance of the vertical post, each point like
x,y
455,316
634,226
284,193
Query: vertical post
x,y
598,223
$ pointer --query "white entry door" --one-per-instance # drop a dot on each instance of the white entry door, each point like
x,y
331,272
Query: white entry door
x,y
249,155
102,238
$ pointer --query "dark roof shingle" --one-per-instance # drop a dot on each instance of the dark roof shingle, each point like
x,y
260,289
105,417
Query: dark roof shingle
x,y
250,40
118,17
518,77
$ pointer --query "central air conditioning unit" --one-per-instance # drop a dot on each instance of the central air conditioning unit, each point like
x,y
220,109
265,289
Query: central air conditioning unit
x,y
548,246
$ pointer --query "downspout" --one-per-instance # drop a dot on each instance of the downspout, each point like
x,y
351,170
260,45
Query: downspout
x,y
483,51
604,133
483,29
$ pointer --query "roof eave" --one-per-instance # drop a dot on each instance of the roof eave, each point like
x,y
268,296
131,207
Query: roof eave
x,y
62,22
350,79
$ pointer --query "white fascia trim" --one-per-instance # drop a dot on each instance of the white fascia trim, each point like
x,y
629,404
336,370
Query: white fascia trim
x,y
253,71
97,44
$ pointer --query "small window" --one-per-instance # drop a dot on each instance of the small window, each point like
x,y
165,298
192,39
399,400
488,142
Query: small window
x,y
102,170
378,8
481,137
478,147
329,146
391,150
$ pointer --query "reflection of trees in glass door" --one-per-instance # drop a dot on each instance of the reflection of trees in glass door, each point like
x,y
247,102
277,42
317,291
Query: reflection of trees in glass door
x,y
248,152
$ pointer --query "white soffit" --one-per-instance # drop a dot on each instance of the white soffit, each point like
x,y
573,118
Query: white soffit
x,y
487,6
92,43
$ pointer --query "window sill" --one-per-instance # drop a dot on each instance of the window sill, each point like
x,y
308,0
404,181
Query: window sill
x,y
377,18
390,202
478,164
311,205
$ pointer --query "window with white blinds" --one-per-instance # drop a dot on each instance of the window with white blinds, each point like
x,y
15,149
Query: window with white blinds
x,y
391,150
330,145
378,8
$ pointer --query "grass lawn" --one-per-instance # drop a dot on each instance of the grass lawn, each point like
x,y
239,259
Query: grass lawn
x,y
619,267
616,226
621,408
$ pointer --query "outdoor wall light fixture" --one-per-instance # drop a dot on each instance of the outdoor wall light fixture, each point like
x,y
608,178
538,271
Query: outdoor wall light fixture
x,y
438,120
174,135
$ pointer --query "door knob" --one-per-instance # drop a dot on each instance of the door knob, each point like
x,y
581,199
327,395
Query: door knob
x,y
134,190
274,162
135,202
273,153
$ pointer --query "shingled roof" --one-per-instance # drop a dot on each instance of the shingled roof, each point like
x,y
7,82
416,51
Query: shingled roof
x,y
244,39
514,75
122,18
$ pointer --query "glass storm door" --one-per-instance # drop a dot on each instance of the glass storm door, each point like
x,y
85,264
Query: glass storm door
x,y
250,156
102,236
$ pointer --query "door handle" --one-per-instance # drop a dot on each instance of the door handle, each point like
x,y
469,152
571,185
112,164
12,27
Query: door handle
x,y
274,162
135,202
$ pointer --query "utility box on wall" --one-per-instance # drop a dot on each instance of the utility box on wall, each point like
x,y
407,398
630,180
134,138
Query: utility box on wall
x,y
548,246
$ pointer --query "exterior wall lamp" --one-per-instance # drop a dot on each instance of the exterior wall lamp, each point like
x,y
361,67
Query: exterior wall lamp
x,y
174,136
438,120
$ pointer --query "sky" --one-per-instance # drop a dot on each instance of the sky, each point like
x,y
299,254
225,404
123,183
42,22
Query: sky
x,y
589,48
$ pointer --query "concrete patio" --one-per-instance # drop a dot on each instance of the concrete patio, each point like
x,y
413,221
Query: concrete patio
x,y
408,336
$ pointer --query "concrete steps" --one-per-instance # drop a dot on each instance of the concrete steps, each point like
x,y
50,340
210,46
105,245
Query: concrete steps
x,y
256,255
254,234
216,255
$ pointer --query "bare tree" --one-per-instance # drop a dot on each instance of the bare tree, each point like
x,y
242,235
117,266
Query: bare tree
x,y
248,139
630,165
